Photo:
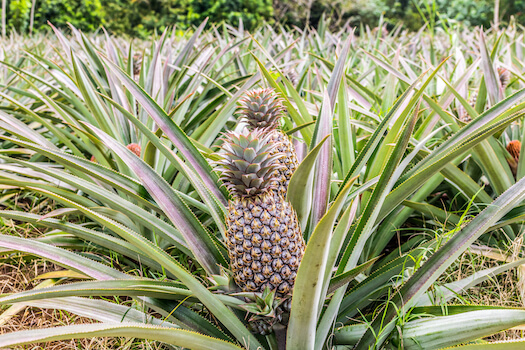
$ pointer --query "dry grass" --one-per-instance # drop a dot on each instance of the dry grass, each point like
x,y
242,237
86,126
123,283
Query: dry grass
x,y
18,276
18,272
505,289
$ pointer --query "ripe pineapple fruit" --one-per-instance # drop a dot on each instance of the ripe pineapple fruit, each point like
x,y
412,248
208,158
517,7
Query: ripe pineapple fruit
x,y
262,109
264,241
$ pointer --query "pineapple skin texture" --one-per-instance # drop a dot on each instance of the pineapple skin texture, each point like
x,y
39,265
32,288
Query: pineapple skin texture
x,y
264,242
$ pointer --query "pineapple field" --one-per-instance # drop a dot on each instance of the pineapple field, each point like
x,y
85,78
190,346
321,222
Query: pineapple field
x,y
274,189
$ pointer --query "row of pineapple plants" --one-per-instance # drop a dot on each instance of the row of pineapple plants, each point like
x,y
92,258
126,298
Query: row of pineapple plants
x,y
376,137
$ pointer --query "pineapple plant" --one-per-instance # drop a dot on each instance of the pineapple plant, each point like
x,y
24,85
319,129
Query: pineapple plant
x,y
173,208
264,241
262,109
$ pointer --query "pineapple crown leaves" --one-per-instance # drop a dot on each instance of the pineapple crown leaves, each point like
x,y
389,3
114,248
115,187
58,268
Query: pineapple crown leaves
x,y
247,165
261,108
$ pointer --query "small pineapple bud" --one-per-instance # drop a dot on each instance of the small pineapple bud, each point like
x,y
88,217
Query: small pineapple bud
x,y
504,77
514,148
135,148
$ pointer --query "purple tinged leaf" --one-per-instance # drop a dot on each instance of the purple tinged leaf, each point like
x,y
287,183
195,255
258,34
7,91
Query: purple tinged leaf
x,y
176,135
491,79
190,45
57,212
62,257
196,236
337,74
172,336
22,130
300,147
308,297
323,172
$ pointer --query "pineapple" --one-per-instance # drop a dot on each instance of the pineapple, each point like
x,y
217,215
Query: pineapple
x,y
264,241
504,77
262,109
133,147
514,148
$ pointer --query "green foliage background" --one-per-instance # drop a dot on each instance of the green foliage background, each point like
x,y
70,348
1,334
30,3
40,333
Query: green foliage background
x,y
142,17
136,17
411,12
